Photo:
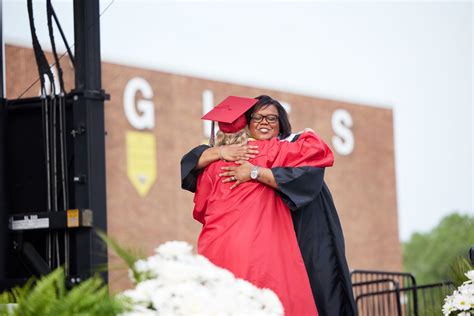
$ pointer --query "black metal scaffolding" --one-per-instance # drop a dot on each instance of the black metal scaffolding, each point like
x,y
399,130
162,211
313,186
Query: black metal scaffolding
x,y
52,166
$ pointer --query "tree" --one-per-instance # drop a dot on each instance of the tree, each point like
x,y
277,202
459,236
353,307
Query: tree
x,y
430,256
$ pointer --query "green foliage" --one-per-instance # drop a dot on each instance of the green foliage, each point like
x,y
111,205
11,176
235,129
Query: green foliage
x,y
128,255
430,256
458,270
16,293
49,296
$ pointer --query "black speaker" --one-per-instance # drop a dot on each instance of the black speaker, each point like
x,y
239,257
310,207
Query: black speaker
x,y
25,184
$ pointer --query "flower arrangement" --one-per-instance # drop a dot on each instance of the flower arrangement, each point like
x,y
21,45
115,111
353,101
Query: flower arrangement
x,y
462,299
171,282
175,282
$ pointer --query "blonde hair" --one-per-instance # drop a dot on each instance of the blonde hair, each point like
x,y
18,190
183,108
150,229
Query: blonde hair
x,y
238,138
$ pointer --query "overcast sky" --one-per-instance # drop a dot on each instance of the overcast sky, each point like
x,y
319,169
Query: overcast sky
x,y
412,57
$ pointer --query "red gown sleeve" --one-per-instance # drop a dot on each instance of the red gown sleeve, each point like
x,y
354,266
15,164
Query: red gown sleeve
x,y
309,150
203,190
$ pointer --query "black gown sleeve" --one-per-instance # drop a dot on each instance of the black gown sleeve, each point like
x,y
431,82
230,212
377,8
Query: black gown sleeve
x,y
188,163
298,186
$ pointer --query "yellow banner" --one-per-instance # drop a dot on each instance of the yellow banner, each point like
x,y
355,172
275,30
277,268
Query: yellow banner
x,y
141,160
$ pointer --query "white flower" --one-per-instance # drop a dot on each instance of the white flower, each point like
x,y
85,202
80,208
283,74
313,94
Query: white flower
x,y
131,276
271,302
176,282
448,306
470,275
141,266
211,273
139,310
175,271
462,299
174,249
460,303
186,299
143,292
246,288
467,289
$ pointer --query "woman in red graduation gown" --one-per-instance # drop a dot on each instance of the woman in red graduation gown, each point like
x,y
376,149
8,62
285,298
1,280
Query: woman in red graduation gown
x,y
249,230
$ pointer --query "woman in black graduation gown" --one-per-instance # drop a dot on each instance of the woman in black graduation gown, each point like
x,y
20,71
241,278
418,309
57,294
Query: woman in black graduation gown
x,y
303,189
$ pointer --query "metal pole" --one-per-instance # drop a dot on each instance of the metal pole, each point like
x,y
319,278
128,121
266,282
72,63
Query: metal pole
x,y
89,140
2,52
3,195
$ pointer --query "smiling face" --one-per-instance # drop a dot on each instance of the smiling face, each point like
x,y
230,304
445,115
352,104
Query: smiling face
x,y
264,130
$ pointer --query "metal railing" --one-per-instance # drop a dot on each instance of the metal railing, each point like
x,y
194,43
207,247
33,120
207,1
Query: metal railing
x,y
381,293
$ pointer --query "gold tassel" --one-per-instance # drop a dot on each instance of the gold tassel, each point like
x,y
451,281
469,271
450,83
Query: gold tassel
x,y
211,139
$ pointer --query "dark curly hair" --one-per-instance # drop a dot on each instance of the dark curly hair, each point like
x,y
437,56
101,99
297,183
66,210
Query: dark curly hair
x,y
264,101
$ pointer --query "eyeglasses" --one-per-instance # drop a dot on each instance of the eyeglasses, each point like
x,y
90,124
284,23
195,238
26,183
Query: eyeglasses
x,y
271,119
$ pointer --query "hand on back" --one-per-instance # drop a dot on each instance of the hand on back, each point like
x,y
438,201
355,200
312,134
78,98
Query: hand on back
x,y
238,152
